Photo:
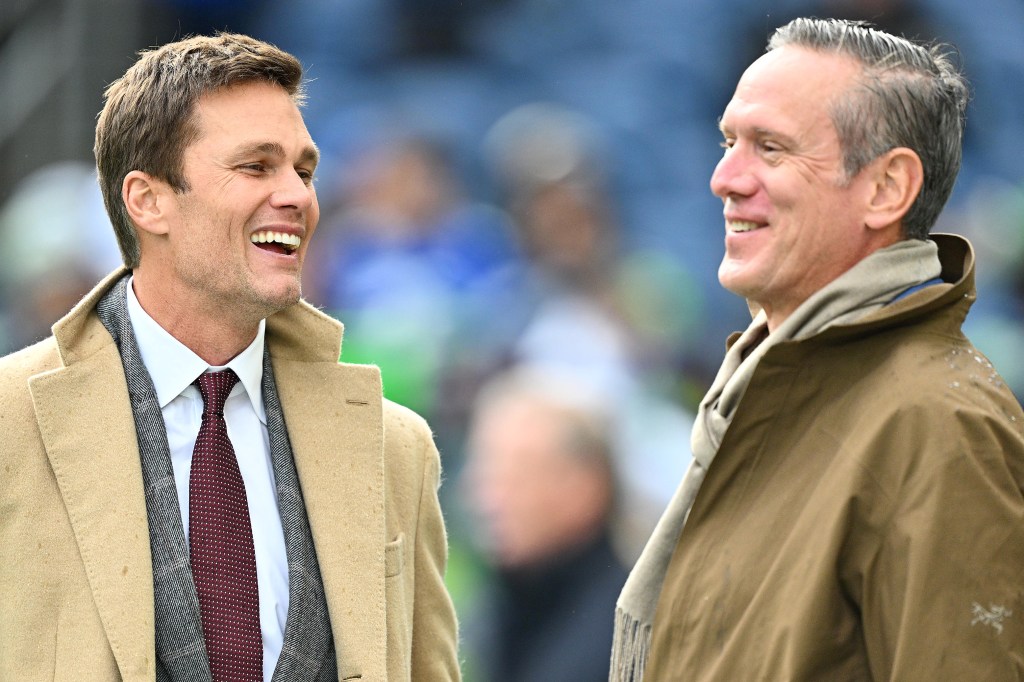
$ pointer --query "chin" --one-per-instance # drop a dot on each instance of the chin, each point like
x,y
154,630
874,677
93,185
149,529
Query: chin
x,y
740,280
269,302
730,282
282,292
279,303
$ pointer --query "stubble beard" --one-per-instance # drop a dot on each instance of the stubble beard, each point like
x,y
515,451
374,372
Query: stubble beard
x,y
241,296
260,304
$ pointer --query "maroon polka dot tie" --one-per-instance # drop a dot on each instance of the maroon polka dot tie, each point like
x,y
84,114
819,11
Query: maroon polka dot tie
x,y
220,540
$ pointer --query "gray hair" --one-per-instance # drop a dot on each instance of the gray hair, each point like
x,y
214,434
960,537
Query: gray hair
x,y
911,96
148,117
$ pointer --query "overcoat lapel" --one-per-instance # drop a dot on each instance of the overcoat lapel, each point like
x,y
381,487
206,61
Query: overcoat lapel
x,y
333,416
85,419
334,420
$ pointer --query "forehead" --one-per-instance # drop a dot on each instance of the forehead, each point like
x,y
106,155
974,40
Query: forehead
x,y
252,109
791,87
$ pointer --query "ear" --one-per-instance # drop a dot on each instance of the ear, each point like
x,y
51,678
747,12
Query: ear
x,y
142,195
896,176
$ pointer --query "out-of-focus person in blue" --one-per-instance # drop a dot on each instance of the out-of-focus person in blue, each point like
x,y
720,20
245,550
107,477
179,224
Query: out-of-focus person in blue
x,y
411,264
855,504
540,482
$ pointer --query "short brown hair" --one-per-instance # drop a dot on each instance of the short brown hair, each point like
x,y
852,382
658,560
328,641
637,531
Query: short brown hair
x,y
148,116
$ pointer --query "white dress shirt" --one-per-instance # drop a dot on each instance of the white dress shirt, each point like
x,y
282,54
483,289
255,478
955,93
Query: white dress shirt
x,y
173,368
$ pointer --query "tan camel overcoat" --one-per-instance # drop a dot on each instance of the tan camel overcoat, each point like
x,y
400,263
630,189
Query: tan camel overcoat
x,y
76,581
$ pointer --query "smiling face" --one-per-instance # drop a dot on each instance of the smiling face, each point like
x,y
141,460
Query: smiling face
x,y
794,222
233,244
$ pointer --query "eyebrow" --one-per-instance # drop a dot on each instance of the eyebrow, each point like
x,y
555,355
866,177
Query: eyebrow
x,y
787,140
760,133
308,154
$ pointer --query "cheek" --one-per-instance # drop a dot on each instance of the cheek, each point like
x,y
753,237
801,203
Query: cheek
x,y
313,214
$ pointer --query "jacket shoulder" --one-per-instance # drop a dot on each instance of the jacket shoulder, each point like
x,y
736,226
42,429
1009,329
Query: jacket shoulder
x,y
407,435
16,368
401,417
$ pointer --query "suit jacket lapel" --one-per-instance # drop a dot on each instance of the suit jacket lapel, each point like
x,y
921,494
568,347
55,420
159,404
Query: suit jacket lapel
x,y
333,415
85,419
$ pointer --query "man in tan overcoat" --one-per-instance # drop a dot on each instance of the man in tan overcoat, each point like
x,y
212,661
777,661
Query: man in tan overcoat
x,y
207,172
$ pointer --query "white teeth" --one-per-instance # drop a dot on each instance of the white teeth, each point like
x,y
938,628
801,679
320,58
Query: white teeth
x,y
289,241
741,226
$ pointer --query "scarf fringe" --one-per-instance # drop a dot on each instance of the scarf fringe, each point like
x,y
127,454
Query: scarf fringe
x,y
630,648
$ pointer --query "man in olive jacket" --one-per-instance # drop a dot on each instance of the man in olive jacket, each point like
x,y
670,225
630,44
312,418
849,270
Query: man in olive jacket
x,y
206,168
855,507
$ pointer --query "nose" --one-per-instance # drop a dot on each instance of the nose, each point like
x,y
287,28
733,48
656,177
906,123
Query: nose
x,y
293,191
732,175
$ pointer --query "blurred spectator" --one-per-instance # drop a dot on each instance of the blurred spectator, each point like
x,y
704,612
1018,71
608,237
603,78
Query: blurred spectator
x,y
442,293
580,313
540,482
551,167
409,264
555,176
55,243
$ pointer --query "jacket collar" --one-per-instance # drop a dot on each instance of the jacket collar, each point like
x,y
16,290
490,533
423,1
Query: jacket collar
x,y
957,292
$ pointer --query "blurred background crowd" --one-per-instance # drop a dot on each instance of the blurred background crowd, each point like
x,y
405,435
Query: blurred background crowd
x,y
517,228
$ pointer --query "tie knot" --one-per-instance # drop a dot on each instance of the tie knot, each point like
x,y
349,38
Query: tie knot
x,y
215,387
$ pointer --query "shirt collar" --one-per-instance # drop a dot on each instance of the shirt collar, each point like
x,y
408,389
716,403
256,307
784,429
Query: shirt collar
x,y
173,366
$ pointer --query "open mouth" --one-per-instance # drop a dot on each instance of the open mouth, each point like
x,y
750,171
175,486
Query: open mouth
x,y
742,226
277,242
